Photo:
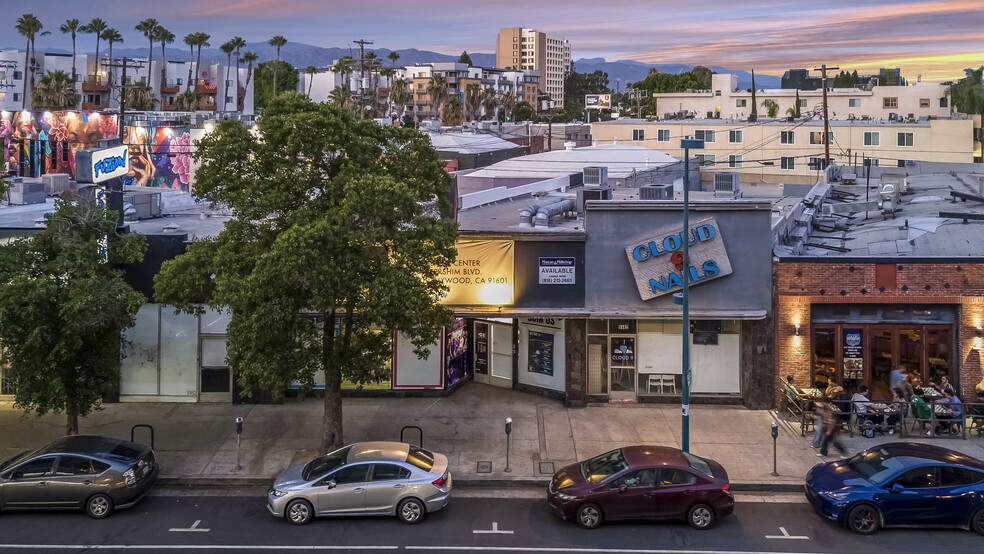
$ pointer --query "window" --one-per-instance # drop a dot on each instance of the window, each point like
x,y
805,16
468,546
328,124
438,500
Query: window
x,y
389,472
17,97
816,137
637,479
943,102
905,139
902,163
351,474
741,103
959,476
734,136
228,100
707,135
663,135
734,161
875,162
18,75
816,163
638,134
889,103
605,465
74,465
802,102
853,102
34,469
787,162
324,464
919,478
717,93
872,138
707,160
670,477
787,137
924,102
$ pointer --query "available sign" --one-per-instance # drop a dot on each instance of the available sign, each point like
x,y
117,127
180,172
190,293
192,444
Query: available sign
x,y
482,274
657,263
556,271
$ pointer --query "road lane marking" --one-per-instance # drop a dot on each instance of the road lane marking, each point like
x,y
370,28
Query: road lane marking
x,y
785,535
494,531
590,550
194,527
239,547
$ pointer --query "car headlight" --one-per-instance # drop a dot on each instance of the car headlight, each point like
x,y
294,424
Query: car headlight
x,y
836,496
564,496
129,477
277,493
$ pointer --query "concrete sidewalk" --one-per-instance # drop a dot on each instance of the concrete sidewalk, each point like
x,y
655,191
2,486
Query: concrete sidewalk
x,y
196,443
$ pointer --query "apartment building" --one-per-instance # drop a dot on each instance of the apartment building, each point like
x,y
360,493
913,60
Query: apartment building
x,y
12,75
782,151
529,49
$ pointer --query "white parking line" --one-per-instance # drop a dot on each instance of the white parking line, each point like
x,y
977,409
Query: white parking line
x,y
239,547
495,530
194,527
785,535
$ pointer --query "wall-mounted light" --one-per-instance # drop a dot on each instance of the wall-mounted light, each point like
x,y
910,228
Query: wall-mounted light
x,y
797,330
979,339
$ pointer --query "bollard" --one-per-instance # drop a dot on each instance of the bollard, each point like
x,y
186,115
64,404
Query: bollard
x,y
508,431
775,435
239,434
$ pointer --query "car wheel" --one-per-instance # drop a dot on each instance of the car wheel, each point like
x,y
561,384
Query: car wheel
x,y
589,516
299,512
977,522
700,516
411,511
98,506
863,519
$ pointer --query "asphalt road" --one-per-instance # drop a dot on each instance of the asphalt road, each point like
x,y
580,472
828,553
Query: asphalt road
x,y
192,523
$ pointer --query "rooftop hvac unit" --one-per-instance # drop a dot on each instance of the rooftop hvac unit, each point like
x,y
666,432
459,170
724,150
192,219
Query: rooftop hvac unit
x,y
595,176
726,185
656,192
25,191
146,205
585,194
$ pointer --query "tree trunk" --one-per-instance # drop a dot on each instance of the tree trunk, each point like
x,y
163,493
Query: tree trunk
x,y
73,57
190,65
71,423
27,65
276,66
331,437
150,62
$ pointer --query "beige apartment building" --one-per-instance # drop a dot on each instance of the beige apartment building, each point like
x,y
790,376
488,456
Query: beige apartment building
x,y
780,151
529,49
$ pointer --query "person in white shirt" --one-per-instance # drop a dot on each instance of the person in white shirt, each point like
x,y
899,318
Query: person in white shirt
x,y
861,403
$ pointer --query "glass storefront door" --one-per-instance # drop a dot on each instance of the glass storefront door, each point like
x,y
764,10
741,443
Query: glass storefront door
x,y
883,360
622,352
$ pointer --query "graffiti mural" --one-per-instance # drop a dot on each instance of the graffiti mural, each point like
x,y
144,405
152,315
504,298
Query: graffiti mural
x,y
159,157
46,142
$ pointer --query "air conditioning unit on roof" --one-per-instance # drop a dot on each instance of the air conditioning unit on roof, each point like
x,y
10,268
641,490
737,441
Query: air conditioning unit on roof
x,y
595,176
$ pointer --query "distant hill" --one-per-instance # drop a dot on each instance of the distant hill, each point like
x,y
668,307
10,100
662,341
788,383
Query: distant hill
x,y
301,55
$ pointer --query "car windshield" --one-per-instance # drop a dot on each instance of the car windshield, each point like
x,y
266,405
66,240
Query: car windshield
x,y
875,465
598,468
699,464
320,466
424,459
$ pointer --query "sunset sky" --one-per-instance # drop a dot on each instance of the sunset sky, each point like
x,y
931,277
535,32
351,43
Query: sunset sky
x,y
936,40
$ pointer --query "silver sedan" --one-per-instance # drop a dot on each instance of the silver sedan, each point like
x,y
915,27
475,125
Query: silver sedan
x,y
366,478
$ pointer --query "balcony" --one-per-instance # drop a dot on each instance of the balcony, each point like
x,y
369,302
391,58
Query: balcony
x,y
93,107
95,84
171,88
202,87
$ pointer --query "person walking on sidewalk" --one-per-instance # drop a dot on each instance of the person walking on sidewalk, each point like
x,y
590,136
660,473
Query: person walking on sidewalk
x,y
818,420
830,431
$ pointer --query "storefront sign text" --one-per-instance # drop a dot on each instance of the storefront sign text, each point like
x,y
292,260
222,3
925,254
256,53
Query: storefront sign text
x,y
482,274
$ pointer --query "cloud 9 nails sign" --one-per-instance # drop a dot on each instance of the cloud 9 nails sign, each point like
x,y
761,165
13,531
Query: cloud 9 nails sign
x,y
657,263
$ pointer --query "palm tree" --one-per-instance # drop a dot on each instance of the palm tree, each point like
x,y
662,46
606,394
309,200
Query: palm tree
x,y
71,26
343,66
190,41
393,56
437,89
249,58
490,101
112,36
400,95
508,103
311,71
277,41
228,47
473,99
55,91
30,27
164,37
96,27
452,114
239,43
201,39
140,97
188,101
149,29
771,106
372,64
340,96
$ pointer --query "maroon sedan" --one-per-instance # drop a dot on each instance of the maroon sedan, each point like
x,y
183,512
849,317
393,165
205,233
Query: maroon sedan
x,y
642,482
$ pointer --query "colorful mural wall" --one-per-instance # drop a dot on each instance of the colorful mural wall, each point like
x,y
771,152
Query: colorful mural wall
x,y
46,142
159,157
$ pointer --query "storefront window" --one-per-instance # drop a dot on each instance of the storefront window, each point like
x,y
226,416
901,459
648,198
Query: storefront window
x,y
882,362
824,361
597,365
179,353
623,355
938,350
910,358
138,371
456,352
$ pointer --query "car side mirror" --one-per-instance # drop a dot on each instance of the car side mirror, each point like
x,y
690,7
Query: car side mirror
x,y
623,487
332,484
897,488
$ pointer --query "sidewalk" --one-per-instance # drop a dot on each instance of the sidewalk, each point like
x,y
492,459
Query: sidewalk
x,y
196,443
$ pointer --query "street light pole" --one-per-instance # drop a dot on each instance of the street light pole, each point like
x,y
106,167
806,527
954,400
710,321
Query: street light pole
x,y
687,143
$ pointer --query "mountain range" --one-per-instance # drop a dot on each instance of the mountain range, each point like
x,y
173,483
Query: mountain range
x,y
620,72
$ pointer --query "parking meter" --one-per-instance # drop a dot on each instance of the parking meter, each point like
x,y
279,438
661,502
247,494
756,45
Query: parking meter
x,y
508,431
775,429
239,426
508,425
775,435
239,434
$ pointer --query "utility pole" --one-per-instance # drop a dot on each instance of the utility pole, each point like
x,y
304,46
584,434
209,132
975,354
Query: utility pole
x,y
826,123
122,64
362,74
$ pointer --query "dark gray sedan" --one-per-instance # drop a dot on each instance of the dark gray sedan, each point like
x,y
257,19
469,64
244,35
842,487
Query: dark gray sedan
x,y
88,472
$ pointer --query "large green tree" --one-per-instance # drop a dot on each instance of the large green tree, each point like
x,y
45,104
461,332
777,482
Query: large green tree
x,y
55,91
63,310
333,217
967,94
577,85
285,74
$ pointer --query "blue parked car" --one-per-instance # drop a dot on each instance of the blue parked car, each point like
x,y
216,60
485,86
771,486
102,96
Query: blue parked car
x,y
900,484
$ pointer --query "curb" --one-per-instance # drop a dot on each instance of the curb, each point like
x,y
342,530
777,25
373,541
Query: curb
x,y
241,482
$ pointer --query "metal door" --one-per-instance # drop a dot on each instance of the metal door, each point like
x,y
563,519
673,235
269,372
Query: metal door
x,y
27,486
348,495
386,488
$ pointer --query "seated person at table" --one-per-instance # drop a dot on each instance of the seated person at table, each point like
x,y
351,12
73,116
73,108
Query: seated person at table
x,y
977,408
899,409
906,386
945,385
862,402
955,407
920,409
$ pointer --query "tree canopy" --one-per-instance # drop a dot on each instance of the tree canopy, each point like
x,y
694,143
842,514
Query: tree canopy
x,y
698,78
335,217
55,91
465,58
63,310
578,85
287,78
968,93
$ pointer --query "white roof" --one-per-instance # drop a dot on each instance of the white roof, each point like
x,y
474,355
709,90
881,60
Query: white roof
x,y
620,159
469,143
